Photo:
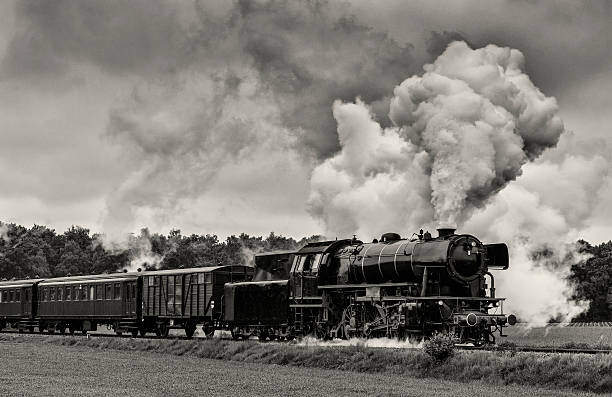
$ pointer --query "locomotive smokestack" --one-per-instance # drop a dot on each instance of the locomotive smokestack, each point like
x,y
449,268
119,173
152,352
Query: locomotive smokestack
x,y
445,231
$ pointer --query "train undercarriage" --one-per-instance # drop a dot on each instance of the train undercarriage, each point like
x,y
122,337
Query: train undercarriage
x,y
364,313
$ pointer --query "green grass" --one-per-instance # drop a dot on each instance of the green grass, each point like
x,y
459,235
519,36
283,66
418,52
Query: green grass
x,y
46,368
553,371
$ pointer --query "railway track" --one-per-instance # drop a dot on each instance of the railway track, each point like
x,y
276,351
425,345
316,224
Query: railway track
x,y
531,349
534,349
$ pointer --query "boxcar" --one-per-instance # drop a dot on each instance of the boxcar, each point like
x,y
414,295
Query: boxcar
x,y
81,303
17,307
184,298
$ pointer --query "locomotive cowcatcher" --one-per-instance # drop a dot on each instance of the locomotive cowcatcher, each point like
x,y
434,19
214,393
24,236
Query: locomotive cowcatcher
x,y
396,288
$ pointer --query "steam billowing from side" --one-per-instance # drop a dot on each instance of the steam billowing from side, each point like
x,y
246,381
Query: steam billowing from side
x,y
461,132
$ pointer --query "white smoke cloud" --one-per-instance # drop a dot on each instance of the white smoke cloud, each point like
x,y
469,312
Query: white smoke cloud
x,y
4,233
463,130
463,133
544,210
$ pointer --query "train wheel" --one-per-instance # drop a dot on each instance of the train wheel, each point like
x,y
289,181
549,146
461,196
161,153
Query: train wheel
x,y
134,332
62,329
31,330
51,330
143,332
83,332
164,331
190,329
209,331
71,330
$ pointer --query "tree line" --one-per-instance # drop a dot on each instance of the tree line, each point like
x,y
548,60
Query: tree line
x,y
41,252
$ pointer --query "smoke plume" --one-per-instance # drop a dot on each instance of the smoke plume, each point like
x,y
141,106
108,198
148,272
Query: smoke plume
x,y
461,132
4,233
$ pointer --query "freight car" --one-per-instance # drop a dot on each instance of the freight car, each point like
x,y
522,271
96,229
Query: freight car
x,y
135,302
389,288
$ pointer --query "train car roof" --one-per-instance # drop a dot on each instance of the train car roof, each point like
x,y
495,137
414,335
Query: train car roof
x,y
19,283
111,277
207,269
93,278
325,246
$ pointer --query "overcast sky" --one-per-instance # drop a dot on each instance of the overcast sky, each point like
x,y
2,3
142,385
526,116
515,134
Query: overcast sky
x,y
211,116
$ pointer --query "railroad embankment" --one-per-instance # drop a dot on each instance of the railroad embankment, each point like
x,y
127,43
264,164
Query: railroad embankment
x,y
548,370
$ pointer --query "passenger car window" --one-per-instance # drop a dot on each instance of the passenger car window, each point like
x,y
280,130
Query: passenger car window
x,y
99,292
68,294
52,293
109,291
17,295
117,291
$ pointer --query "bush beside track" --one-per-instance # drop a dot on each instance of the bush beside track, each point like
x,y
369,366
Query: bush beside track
x,y
553,371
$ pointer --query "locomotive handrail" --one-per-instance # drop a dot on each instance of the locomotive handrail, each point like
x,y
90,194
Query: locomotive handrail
x,y
335,286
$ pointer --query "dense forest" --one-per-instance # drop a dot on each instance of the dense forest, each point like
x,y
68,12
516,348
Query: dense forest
x,y
41,252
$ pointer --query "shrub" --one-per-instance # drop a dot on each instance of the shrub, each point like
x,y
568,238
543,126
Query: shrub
x,y
440,346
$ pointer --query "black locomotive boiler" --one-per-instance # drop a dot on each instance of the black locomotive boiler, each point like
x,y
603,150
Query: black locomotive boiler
x,y
389,288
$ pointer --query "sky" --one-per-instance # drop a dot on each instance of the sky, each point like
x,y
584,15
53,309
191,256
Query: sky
x,y
212,116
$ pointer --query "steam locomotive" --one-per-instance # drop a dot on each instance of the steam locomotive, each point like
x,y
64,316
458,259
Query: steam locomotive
x,y
397,288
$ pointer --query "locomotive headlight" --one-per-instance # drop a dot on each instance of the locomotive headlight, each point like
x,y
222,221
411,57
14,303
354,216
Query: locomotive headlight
x,y
212,304
440,303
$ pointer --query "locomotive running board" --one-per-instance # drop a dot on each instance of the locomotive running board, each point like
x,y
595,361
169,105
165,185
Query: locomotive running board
x,y
350,286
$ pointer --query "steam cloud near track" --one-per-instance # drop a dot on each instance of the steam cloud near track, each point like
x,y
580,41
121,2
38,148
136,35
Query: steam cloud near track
x,y
461,133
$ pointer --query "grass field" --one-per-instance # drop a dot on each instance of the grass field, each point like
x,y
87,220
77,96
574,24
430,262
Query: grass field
x,y
498,369
44,369
558,336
